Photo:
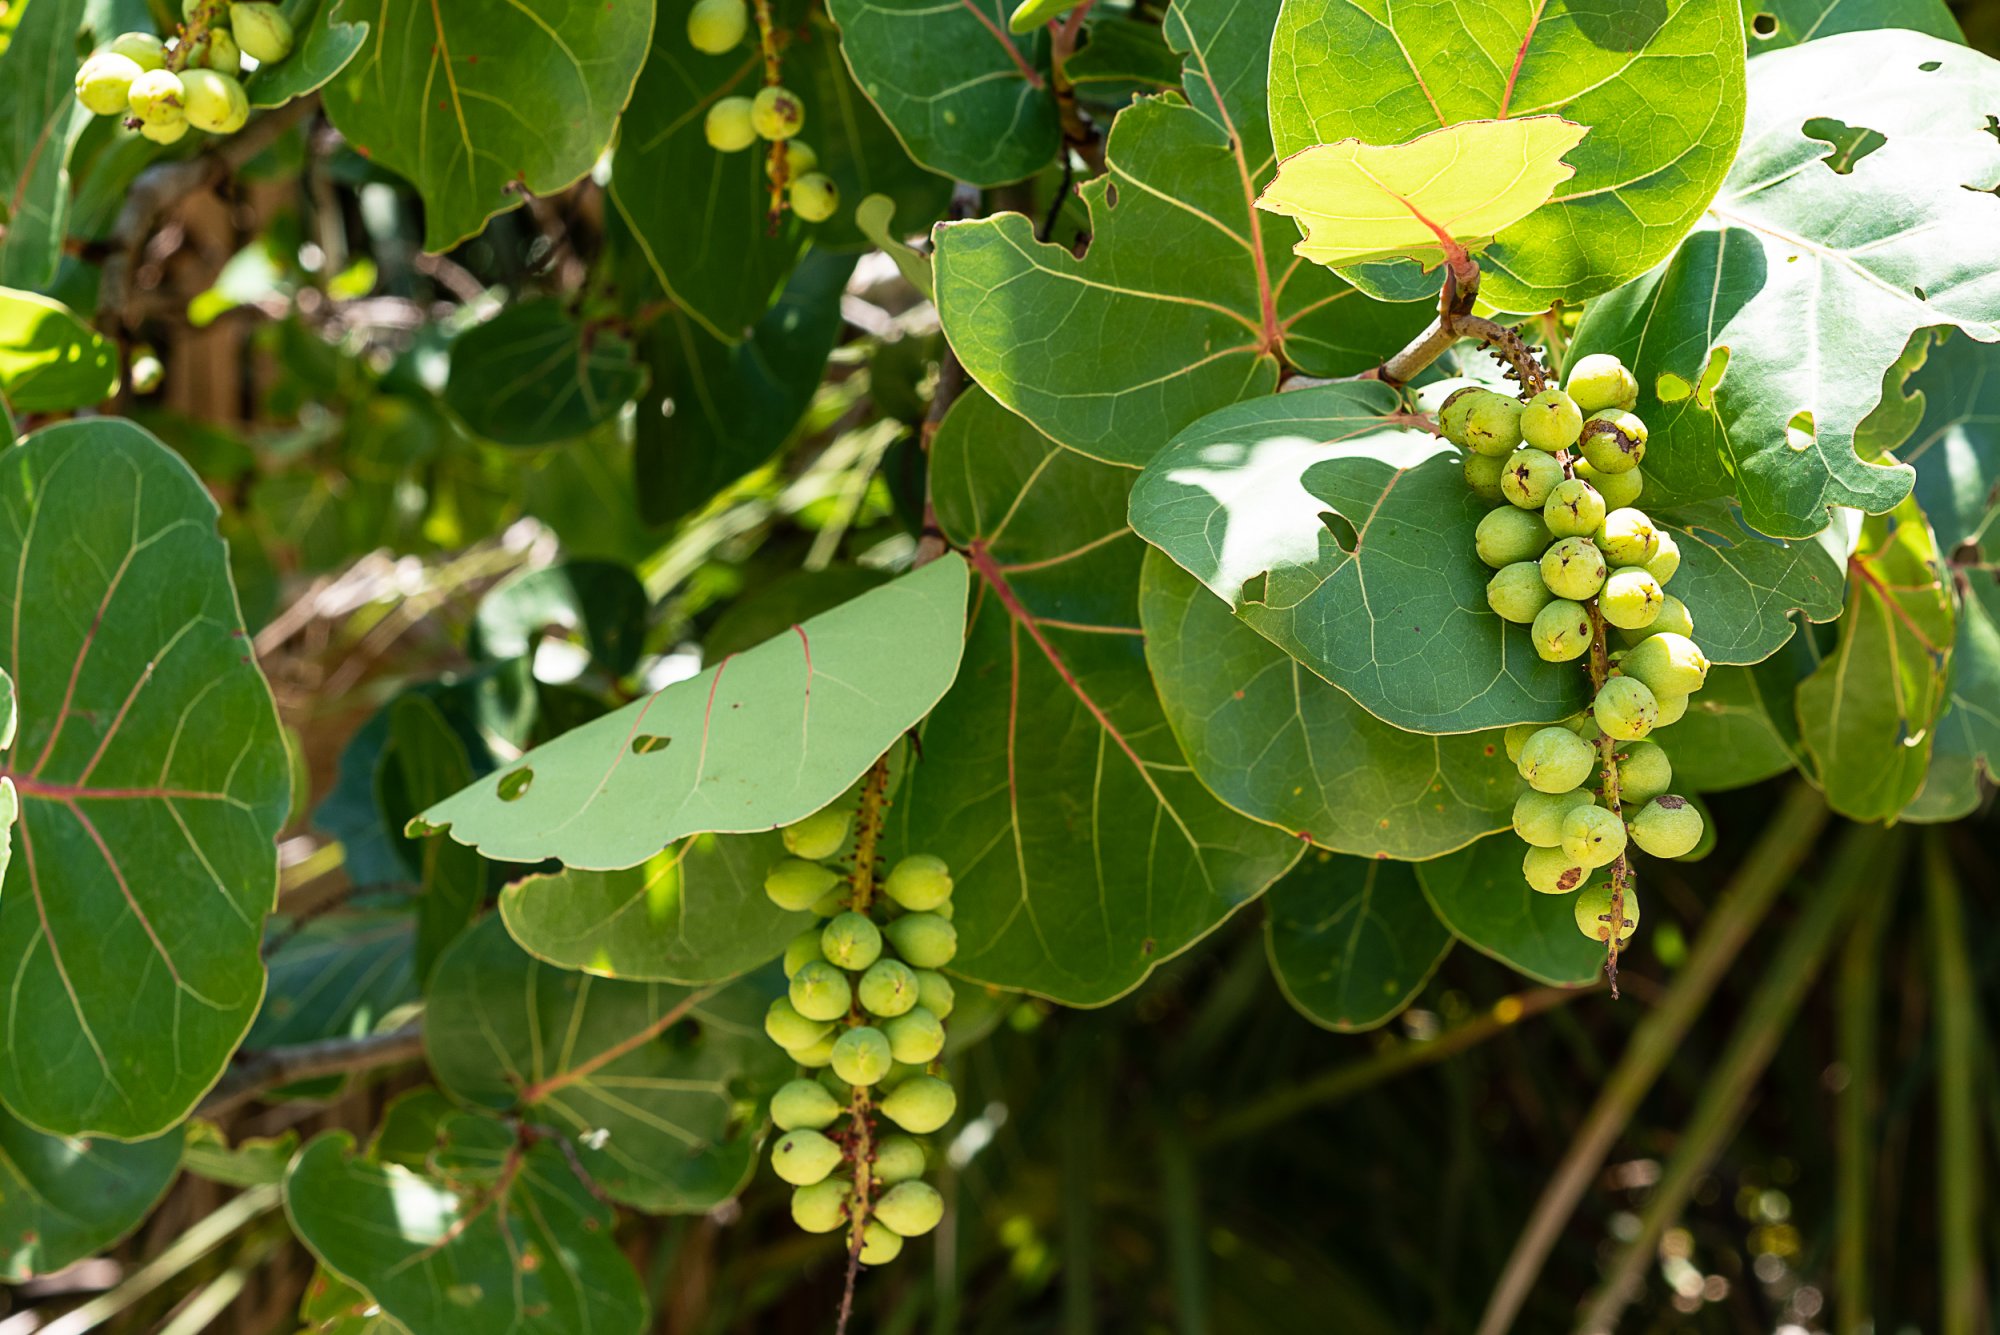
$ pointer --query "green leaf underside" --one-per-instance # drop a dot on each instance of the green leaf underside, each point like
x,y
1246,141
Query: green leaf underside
x,y
1813,280
1187,294
533,376
1352,940
1085,850
461,1232
758,741
968,99
657,1069
325,44
338,975
1966,751
474,100
1789,22
1482,896
50,361
1280,745
39,124
63,1199
1660,85
152,778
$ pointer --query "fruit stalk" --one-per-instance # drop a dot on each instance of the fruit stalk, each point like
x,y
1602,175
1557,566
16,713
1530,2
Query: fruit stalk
x,y
780,166
868,834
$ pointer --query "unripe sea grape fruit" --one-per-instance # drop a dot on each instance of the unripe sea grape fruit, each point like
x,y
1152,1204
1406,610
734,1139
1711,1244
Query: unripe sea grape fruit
x,y
802,950
861,1055
1516,592
1555,760
155,98
213,102
1672,708
1667,826
920,1105
820,835
716,26
935,993
888,989
1561,631
851,940
1618,489
1631,598
1674,618
919,882
1529,478
1573,568
1493,424
218,51
822,1207
1628,538
820,991
1592,836
777,112
804,1157
1550,871
1574,509
141,48
814,197
1669,664
924,940
1644,772
879,1243
262,30
791,1030
795,885
728,126
1666,560
1538,817
1550,421
1482,476
916,1038
1508,535
1625,708
910,1209
1601,381
1613,441
898,1159
104,84
1584,726
1593,913
803,1103
1517,736
816,1055
800,158
1451,413
167,133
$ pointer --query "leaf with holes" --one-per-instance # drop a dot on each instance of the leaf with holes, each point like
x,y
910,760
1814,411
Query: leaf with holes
x,y
655,1084
40,121
1772,24
50,361
760,740
325,44
152,781
532,375
479,103
454,1227
1430,200
1660,85
1187,298
1085,850
1482,896
1760,345
1279,744
1346,539
61,1199
1351,940
1867,716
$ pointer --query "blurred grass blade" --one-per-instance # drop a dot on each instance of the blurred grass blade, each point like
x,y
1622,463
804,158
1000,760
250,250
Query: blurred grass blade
x,y
1858,1009
1962,1300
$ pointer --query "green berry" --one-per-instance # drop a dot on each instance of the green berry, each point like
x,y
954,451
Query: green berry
x,y
1517,736
1482,475
820,991
796,885
861,1055
852,941
1625,708
1573,569
1529,478
1618,489
1631,598
1452,412
898,1159
777,113
799,156
1516,592
820,835
804,1157
1673,616
1613,441
1668,663
728,125
814,197
1644,772
1672,708
1592,836
104,84
879,1244
717,26
919,882
141,48
1574,509
1493,424
815,1055
1551,421
1584,726
802,950
910,1209
924,940
155,99
262,30
822,1207
935,993
1508,535
1556,760
1593,913
1628,538
804,1103
1666,560
214,102
916,1038
171,133
1538,817
218,50
888,989
1561,631
1550,871
1601,381
1667,826
920,1105
791,1030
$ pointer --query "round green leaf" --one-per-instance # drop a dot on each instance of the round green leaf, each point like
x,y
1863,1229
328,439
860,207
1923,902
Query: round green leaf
x,y
62,1199
1482,896
324,46
1772,24
1351,940
50,361
532,375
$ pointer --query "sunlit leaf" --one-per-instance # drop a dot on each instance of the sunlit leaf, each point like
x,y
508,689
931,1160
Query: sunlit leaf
x,y
39,124
50,361
329,33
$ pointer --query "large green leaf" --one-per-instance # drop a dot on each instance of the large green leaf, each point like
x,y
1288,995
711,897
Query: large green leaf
x,y
1761,344
1188,297
656,1085
1966,753
969,99
39,124
454,1227
426,764
533,375
760,740
1772,24
62,1199
1352,940
50,361
1955,443
1279,744
329,33
477,101
1085,850
1347,540
338,975
152,778
694,913
1482,896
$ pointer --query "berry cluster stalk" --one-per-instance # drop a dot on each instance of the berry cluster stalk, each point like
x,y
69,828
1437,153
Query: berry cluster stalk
x,y
767,44
861,1110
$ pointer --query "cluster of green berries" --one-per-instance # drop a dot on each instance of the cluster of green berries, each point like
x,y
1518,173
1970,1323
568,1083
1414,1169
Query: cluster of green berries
x,y
864,1011
775,114
1573,559
195,81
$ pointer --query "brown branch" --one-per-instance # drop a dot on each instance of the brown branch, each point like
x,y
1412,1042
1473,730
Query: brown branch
x,y
253,1073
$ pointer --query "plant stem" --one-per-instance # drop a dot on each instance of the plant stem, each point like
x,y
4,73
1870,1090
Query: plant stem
x,y
254,1073
860,1139
1960,1298
778,153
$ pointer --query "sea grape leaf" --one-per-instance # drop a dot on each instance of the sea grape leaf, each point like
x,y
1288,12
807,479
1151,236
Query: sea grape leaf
x,y
152,778
40,120
693,913
1745,584
760,740
1120,56
50,361
1867,716
1482,896
1955,444
64,1198
967,98
1351,940
1188,296
480,102
338,975
428,763
1280,745
329,34
1771,24
1966,751
1085,850
656,1085
1660,85
534,375
1729,737
1439,195
255,1161
453,1227
600,603
1769,329
332,1306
